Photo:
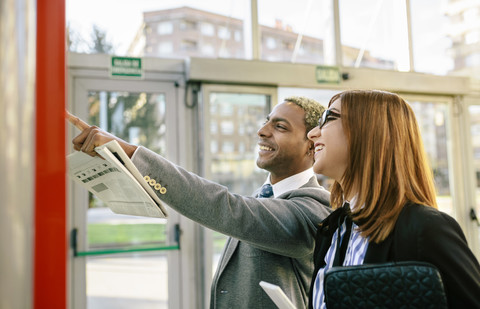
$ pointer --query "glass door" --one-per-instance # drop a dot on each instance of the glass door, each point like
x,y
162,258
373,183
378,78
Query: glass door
x,y
122,261
473,133
232,116
434,120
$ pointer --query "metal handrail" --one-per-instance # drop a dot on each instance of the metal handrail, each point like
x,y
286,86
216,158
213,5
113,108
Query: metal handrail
x,y
76,253
125,250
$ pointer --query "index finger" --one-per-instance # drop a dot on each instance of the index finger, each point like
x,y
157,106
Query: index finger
x,y
77,122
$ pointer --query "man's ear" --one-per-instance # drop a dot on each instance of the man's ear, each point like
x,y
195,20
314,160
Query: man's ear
x,y
310,148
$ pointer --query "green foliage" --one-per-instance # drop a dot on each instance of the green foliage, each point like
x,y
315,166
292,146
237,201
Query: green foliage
x,y
142,113
102,234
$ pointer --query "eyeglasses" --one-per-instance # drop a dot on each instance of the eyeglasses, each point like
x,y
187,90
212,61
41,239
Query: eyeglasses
x,y
326,117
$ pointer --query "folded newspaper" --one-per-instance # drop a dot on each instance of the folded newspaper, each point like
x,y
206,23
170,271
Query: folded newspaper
x,y
116,181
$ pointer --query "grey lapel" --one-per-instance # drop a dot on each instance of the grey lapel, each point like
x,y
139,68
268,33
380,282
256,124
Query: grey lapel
x,y
230,248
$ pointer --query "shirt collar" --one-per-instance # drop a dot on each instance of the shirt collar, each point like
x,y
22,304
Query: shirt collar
x,y
291,183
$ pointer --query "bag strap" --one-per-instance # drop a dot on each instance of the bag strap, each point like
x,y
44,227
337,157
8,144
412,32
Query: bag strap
x,y
342,242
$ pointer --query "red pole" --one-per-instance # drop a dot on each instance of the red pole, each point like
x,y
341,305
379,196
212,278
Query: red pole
x,y
50,239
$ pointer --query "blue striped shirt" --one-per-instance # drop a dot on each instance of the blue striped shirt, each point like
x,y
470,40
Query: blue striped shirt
x,y
357,247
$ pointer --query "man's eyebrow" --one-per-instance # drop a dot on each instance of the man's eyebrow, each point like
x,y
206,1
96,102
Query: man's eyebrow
x,y
278,119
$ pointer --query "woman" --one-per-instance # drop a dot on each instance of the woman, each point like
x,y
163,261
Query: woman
x,y
369,143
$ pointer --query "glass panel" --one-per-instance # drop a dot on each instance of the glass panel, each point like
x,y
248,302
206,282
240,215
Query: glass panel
x,y
432,120
125,281
463,30
113,281
474,111
374,34
167,28
431,44
297,31
234,121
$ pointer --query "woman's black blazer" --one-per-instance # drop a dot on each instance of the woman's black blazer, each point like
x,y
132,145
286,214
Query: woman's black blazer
x,y
424,234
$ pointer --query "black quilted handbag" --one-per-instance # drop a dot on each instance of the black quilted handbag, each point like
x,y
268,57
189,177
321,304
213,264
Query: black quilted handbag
x,y
388,285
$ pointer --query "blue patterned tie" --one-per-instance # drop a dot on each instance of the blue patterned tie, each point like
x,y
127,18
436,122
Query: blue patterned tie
x,y
266,191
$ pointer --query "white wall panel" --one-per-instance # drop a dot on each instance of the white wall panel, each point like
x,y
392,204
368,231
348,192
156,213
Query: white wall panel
x,y
17,107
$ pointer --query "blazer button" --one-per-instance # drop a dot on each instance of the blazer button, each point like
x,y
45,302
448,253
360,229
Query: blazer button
x,y
157,186
147,178
163,190
152,182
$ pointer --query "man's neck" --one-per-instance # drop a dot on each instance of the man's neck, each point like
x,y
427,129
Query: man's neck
x,y
291,182
277,178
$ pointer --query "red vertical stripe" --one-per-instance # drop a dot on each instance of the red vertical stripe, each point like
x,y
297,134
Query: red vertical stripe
x,y
50,260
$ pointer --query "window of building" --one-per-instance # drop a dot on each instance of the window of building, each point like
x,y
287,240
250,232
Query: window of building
x,y
214,147
223,53
241,147
213,127
472,37
471,15
303,49
165,27
227,109
227,127
473,60
165,47
228,147
207,29
287,46
188,25
237,35
208,50
188,45
271,43
223,33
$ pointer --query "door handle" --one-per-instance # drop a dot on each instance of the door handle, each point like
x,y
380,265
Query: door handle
x,y
473,216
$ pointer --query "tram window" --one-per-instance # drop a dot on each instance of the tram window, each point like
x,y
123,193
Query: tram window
x,y
297,31
233,146
374,34
195,28
474,111
433,122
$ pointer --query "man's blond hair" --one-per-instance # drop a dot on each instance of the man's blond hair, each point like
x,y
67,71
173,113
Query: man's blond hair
x,y
313,110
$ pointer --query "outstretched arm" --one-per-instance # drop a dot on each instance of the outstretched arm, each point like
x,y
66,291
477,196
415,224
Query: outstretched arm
x,y
93,136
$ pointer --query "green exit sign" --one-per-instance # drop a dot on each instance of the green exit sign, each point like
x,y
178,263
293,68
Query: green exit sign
x,y
126,67
327,74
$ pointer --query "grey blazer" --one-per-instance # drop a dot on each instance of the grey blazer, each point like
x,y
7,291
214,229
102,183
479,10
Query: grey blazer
x,y
271,239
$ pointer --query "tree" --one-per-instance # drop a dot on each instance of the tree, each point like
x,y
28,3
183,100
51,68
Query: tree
x,y
100,44
75,42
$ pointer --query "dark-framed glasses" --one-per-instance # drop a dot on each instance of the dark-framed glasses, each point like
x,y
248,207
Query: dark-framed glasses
x,y
326,117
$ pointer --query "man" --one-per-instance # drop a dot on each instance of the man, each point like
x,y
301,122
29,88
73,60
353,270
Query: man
x,y
272,239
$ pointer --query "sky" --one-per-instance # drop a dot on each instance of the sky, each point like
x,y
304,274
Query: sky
x,y
363,22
